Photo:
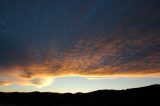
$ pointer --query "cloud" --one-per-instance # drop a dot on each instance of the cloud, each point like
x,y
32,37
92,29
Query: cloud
x,y
41,82
4,83
101,39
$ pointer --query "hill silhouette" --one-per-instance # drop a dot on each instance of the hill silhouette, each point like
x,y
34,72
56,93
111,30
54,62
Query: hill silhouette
x,y
135,96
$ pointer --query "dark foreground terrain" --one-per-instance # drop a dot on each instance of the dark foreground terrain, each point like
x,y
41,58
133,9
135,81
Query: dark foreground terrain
x,y
144,96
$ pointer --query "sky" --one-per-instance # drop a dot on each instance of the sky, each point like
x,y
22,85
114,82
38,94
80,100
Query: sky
x,y
78,45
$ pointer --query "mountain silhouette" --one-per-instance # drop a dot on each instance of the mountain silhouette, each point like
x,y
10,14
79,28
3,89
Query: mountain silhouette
x,y
135,96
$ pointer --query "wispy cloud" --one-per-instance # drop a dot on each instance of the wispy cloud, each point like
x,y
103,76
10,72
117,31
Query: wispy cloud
x,y
96,39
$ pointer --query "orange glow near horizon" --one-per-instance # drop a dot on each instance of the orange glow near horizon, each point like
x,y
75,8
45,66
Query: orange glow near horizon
x,y
40,76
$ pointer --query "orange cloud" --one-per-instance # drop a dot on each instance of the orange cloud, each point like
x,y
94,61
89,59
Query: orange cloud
x,y
111,54
91,58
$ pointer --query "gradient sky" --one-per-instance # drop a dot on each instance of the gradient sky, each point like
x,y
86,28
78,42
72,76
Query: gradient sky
x,y
78,45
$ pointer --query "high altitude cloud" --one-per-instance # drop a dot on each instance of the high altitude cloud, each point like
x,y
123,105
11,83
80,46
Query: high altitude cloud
x,y
44,39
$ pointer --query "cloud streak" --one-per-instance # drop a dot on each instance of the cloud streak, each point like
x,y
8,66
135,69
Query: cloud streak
x,y
98,38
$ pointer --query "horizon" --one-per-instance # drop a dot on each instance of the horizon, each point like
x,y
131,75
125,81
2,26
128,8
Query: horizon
x,y
69,85
85,92
78,45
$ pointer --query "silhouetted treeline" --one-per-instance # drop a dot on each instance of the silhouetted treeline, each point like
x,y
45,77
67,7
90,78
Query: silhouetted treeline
x,y
136,96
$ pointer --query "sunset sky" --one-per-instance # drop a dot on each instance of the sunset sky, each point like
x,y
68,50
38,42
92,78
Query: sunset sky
x,y
78,45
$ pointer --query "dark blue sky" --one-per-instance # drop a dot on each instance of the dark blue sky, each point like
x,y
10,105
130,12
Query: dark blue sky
x,y
84,37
